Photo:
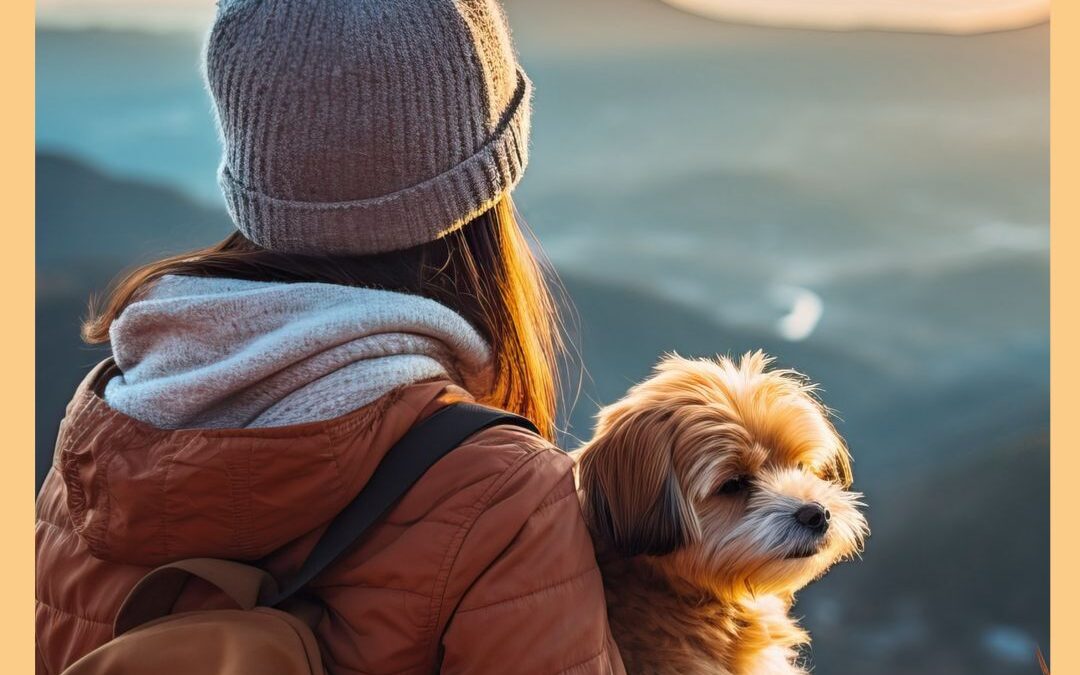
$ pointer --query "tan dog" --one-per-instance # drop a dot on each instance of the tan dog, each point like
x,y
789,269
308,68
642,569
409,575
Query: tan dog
x,y
715,490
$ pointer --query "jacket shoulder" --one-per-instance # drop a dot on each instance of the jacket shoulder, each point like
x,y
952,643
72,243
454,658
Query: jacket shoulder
x,y
515,460
526,559
503,465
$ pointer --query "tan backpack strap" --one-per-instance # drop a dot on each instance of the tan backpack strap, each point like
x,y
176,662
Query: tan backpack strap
x,y
155,595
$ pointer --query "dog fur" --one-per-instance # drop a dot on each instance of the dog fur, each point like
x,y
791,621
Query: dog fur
x,y
690,487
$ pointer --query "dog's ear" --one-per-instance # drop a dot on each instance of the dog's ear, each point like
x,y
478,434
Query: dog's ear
x,y
632,495
838,466
839,469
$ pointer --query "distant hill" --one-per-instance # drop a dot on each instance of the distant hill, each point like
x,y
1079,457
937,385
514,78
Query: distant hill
x,y
80,209
623,331
956,578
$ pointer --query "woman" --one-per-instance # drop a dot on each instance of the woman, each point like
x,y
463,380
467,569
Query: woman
x,y
377,275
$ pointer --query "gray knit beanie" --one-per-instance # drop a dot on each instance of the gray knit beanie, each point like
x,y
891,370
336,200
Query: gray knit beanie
x,y
364,126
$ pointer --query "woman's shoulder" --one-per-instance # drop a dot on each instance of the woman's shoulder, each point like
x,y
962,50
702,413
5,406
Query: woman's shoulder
x,y
507,460
502,457
508,445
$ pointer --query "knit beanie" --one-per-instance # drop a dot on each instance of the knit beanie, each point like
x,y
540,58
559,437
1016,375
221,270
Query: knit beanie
x,y
364,126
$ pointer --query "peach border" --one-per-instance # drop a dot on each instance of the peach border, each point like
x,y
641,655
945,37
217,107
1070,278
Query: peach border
x,y
1064,331
16,342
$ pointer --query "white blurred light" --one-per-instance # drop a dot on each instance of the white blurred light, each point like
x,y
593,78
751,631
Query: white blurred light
x,y
932,16
806,308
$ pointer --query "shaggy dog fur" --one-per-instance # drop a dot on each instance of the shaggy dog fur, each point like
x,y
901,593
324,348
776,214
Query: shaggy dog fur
x,y
715,490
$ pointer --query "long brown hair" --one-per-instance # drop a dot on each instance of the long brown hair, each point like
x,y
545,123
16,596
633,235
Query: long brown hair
x,y
486,271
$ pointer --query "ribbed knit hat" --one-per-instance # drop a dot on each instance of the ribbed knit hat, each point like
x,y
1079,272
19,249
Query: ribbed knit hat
x,y
364,126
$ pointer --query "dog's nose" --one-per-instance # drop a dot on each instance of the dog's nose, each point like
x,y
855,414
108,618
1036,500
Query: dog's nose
x,y
814,516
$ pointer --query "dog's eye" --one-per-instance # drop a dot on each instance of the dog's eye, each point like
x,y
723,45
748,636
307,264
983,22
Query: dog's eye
x,y
734,485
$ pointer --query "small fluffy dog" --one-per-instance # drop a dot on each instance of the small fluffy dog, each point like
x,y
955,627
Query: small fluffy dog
x,y
714,491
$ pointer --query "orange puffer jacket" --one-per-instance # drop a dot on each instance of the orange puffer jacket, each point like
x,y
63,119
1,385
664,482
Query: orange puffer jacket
x,y
485,566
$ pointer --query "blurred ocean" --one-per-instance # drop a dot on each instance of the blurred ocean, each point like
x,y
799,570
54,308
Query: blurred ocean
x,y
872,207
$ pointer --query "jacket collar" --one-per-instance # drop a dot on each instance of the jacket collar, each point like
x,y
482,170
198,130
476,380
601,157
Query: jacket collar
x,y
142,495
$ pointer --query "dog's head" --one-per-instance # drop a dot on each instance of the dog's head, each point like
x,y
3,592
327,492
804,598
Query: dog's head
x,y
728,474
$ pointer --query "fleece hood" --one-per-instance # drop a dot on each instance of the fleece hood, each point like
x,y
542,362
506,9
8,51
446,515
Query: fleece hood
x,y
231,353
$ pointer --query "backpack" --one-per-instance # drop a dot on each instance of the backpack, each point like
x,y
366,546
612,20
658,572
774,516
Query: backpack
x,y
268,631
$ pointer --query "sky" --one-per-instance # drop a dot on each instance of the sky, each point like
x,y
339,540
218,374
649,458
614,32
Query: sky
x,y
944,16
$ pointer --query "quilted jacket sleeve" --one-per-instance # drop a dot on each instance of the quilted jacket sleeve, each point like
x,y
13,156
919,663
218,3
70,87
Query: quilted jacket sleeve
x,y
529,599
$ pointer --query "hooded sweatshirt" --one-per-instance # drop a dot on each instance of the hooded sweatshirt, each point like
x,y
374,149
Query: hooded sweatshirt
x,y
228,353
484,566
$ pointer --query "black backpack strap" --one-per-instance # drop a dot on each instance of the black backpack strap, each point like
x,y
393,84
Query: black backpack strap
x,y
404,464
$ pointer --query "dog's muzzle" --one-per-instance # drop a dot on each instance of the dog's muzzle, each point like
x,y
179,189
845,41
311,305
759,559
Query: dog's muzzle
x,y
813,520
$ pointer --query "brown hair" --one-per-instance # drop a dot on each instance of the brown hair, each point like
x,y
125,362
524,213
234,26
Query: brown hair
x,y
486,271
